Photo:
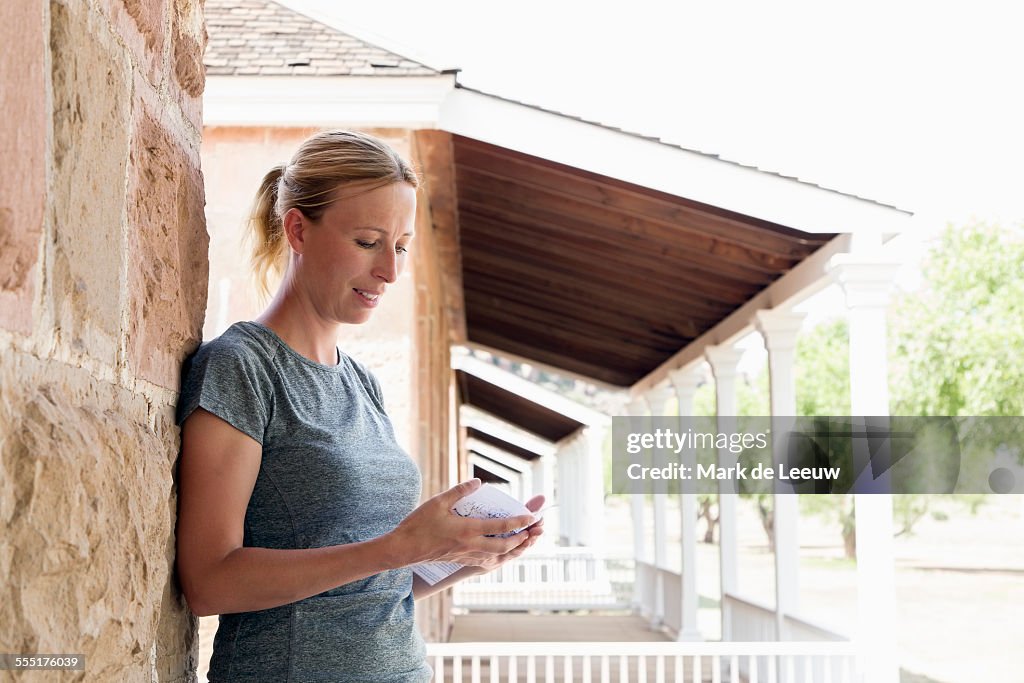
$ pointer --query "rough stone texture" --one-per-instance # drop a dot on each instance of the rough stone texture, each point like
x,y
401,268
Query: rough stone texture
x,y
87,446
142,27
87,508
90,147
22,82
187,58
167,252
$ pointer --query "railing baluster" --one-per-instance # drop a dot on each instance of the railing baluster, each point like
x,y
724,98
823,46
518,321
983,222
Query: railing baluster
x,y
606,673
641,669
790,667
549,669
531,669
567,668
716,669
829,663
588,675
773,666
679,669
752,674
734,669
698,663
513,669
494,669
439,668
457,669
474,669
808,669
623,669
659,669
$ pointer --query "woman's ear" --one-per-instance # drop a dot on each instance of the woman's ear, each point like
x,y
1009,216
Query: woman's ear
x,y
295,224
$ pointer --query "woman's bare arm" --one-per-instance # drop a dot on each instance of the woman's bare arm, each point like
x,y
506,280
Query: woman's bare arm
x,y
217,472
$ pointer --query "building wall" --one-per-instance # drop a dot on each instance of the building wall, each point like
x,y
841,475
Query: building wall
x,y
103,277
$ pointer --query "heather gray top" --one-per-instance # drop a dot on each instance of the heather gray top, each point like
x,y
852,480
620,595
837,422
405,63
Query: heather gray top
x,y
331,473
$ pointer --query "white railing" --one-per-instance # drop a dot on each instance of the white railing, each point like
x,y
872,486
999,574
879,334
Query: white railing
x,y
753,621
557,579
717,662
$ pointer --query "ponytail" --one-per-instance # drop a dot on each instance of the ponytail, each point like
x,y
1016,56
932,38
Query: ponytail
x,y
266,232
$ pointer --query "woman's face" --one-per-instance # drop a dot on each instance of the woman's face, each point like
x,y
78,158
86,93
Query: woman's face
x,y
345,261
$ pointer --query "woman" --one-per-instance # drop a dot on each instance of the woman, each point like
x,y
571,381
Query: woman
x,y
298,521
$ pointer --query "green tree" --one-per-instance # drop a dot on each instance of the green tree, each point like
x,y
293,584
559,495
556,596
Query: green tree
x,y
957,341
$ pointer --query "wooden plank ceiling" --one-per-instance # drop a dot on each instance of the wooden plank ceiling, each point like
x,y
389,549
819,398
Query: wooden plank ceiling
x,y
514,409
492,440
597,276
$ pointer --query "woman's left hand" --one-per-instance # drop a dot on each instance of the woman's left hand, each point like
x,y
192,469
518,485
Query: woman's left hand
x,y
535,531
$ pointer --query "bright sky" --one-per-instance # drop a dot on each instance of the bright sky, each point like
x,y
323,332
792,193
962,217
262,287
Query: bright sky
x,y
917,103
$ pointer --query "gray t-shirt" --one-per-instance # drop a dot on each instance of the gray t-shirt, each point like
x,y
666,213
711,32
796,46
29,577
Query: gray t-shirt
x,y
331,473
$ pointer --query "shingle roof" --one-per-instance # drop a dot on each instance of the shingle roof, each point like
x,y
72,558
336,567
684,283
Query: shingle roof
x,y
264,38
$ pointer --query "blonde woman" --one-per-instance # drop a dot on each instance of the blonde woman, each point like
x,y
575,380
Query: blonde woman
x,y
298,518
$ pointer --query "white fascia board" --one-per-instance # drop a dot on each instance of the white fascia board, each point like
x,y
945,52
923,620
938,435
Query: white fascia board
x,y
487,423
528,390
663,167
494,467
503,458
323,101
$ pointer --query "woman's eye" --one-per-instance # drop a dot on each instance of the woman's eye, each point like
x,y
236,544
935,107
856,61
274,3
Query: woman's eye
x,y
402,249
366,245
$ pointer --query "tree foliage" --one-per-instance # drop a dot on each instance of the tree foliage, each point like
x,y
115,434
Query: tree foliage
x,y
957,341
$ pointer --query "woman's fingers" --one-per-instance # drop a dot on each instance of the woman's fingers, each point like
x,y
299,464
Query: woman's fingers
x,y
493,527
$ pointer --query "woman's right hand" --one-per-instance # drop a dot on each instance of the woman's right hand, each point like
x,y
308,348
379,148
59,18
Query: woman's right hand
x,y
434,533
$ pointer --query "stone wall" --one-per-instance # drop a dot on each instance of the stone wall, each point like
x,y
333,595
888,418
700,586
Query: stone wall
x,y
103,272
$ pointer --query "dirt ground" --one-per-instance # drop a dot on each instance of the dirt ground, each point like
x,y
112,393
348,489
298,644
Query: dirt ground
x,y
959,582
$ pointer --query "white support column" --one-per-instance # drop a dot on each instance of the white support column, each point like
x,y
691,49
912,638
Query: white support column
x,y
637,410
866,279
592,450
685,383
571,489
544,482
723,361
779,329
657,398
564,486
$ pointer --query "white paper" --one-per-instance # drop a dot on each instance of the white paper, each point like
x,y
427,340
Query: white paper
x,y
487,502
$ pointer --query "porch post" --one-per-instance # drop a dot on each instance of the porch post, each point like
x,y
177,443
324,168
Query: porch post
x,y
543,478
592,486
866,277
637,409
657,398
564,488
573,490
723,361
779,329
685,383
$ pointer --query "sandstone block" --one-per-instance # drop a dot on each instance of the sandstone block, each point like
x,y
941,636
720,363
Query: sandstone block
x,y
90,149
167,254
189,31
142,25
88,502
22,82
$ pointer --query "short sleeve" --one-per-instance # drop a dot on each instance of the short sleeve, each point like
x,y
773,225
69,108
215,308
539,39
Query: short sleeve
x,y
230,381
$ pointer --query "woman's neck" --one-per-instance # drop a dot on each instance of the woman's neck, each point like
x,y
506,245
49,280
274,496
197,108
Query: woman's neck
x,y
301,329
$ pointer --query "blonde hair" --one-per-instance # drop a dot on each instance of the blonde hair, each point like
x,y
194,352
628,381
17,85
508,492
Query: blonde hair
x,y
308,183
